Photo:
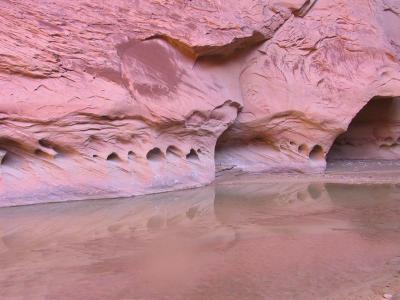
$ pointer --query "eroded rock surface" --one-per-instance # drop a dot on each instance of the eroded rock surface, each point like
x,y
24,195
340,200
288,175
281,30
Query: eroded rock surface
x,y
115,99
303,87
102,99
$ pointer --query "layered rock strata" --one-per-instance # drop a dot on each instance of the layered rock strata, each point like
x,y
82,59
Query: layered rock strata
x,y
302,88
131,97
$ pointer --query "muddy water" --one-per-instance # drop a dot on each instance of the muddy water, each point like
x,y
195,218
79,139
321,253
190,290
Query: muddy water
x,y
229,241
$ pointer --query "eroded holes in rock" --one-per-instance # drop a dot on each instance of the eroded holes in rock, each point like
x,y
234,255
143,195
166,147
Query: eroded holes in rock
x,y
56,150
155,154
113,157
44,143
131,155
3,156
303,149
317,153
9,158
42,154
173,151
13,151
192,155
372,133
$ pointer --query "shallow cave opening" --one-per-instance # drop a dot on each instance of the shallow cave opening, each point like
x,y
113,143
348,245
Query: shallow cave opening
x,y
192,155
317,153
131,155
12,152
373,134
113,157
303,149
155,154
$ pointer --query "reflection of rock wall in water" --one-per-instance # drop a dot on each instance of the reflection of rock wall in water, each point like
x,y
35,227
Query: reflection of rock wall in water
x,y
201,211
186,245
101,100
210,213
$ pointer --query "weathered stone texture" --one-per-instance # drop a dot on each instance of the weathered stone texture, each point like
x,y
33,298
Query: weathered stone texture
x,y
120,98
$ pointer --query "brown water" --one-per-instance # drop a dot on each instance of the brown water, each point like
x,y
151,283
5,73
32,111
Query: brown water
x,y
229,241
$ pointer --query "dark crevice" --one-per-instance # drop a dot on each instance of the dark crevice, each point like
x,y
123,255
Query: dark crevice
x,y
303,149
317,153
3,157
155,154
173,151
372,134
42,154
113,157
304,10
192,155
59,149
45,143
234,47
131,155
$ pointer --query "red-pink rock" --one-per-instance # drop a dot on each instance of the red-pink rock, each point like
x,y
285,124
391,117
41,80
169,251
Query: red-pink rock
x,y
111,99
303,87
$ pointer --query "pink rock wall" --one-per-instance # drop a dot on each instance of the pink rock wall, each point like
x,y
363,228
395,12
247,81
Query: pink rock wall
x,y
110,99
302,87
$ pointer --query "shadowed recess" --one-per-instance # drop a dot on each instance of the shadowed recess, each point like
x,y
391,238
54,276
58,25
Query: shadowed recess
x,y
155,154
113,157
317,153
372,134
173,151
192,155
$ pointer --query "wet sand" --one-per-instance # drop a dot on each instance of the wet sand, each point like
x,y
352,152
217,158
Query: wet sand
x,y
339,171
245,237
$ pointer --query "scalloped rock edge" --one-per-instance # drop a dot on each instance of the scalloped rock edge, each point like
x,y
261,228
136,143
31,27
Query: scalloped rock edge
x,y
134,97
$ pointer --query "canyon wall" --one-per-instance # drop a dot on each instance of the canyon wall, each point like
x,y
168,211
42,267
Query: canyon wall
x,y
302,87
132,97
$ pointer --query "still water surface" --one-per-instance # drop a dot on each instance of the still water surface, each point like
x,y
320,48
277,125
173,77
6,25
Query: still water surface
x,y
228,241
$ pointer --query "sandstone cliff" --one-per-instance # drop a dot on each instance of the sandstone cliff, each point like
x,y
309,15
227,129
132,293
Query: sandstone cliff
x,y
120,98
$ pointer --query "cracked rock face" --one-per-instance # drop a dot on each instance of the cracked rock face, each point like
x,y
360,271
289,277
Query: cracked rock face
x,y
125,98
